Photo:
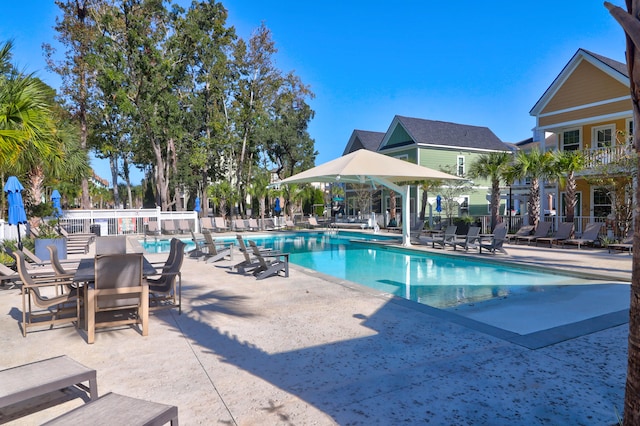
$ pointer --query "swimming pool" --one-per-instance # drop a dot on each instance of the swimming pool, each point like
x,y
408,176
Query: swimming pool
x,y
429,278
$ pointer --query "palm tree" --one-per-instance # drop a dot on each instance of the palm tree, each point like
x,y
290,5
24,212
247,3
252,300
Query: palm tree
x,y
537,166
427,186
566,164
493,166
25,116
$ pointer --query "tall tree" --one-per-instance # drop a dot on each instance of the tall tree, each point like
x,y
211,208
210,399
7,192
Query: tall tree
x,y
631,25
492,166
427,186
76,31
537,166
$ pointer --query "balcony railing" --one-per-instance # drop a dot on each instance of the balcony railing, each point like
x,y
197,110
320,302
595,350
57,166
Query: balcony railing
x,y
606,155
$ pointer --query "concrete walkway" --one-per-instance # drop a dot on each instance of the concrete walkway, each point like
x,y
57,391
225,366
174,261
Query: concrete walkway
x,y
308,350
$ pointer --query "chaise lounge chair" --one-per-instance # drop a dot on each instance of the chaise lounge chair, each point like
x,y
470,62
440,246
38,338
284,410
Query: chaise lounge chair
x,y
589,237
221,224
565,229
524,231
624,245
542,230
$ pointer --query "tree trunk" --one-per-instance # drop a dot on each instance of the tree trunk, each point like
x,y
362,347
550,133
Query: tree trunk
x,y
423,207
534,202
495,203
631,25
113,166
570,197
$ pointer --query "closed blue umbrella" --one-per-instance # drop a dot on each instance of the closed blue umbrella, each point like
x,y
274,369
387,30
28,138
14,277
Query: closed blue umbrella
x,y
277,208
57,208
17,215
197,207
438,204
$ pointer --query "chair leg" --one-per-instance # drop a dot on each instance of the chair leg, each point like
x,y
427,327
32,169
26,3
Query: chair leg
x,y
144,310
90,318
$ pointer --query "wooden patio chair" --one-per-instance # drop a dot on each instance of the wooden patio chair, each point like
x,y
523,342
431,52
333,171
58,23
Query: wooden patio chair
x,y
118,295
270,262
46,301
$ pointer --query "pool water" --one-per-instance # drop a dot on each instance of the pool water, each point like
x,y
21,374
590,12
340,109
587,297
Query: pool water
x,y
432,279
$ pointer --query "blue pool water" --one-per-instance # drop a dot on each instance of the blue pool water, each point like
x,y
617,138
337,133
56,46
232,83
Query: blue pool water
x,y
432,279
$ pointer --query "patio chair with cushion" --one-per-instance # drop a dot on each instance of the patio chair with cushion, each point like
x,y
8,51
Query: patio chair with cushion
x,y
48,301
542,230
162,289
565,229
590,236
271,262
118,293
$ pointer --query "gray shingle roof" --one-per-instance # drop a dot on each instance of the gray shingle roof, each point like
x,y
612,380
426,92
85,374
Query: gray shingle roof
x,y
364,139
430,132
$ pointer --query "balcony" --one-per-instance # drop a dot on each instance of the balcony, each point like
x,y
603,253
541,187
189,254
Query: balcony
x,y
595,158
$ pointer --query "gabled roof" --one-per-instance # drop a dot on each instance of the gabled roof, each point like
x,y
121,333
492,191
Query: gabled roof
x,y
613,68
443,134
363,139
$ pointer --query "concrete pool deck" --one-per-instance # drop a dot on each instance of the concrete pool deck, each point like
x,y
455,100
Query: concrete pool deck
x,y
311,350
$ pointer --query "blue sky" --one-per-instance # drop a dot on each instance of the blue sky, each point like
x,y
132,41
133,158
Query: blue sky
x,y
469,62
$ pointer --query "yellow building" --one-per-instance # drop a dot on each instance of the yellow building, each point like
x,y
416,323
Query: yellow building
x,y
588,107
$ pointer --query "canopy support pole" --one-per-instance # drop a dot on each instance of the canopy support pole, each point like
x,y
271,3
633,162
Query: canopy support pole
x,y
404,193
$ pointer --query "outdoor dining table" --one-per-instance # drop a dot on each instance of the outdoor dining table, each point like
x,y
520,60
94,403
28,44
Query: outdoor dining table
x,y
86,271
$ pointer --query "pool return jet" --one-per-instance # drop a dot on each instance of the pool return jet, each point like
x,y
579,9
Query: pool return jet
x,y
364,166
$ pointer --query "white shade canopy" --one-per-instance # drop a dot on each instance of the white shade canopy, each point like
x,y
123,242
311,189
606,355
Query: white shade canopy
x,y
364,166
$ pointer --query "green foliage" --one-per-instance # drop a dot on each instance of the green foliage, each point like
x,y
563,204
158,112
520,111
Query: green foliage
x,y
6,259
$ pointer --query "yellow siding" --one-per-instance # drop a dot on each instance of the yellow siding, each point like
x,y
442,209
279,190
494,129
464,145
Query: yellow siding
x,y
596,111
587,84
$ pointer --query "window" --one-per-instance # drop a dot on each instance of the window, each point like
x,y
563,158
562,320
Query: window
x,y
464,205
629,136
571,140
601,203
603,136
460,168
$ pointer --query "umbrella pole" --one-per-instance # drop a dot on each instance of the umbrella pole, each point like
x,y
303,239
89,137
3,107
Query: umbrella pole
x,y
19,239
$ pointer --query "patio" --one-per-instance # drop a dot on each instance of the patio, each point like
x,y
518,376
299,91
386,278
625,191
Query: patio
x,y
312,350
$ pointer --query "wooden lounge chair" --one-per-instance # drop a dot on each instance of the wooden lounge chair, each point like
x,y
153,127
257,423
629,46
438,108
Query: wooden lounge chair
x,y
118,289
24,382
466,241
249,263
271,262
162,288
444,239
221,224
542,230
215,252
625,245
47,300
590,236
565,229
524,231
116,409
494,242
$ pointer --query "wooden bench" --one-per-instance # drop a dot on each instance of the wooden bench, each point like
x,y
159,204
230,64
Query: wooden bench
x,y
115,409
38,378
